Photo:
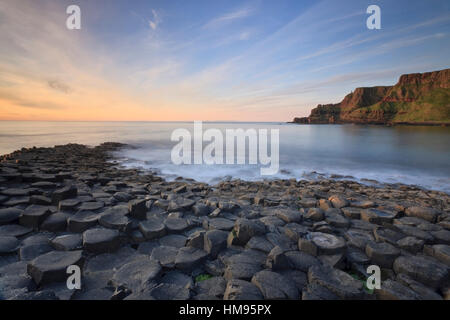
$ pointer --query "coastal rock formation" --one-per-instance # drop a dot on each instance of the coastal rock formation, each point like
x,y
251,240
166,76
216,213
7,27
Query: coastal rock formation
x,y
137,236
419,98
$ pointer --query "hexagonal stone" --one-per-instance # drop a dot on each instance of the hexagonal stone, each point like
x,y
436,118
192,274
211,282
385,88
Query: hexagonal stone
x,y
326,243
275,286
245,229
428,214
215,241
288,215
138,208
416,232
176,225
358,238
364,204
14,230
16,201
219,224
165,255
411,244
9,215
338,201
40,200
180,204
377,216
68,204
424,292
188,258
200,209
11,286
308,202
34,215
133,275
313,291
152,228
52,266
214,287
352,213
382,254
81,221
241,266
439,251
115,221
173,240
167,291
424,270
91,206
393,290
8,244
338,282
441,237
101,240
335,219
31,251
15,192
64,193
277,260
387,235
242,290
315,214
55,222
301,261
259,243
67,242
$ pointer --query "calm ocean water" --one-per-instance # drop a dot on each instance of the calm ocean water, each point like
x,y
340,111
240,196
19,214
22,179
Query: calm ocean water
x,y
410,155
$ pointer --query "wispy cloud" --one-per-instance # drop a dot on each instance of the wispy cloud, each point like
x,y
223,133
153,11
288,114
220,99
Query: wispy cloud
x,y
155,21
230,17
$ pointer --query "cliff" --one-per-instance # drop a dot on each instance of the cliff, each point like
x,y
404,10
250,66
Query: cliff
x,y
418,98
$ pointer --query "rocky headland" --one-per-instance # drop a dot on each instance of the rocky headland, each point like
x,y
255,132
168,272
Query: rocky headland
x,y
417,99
137,236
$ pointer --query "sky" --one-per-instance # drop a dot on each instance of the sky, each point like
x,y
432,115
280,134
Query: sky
x,y
178,60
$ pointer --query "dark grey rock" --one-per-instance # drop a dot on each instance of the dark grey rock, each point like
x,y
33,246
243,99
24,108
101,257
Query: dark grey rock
x,y
275,286
427,214
9,215
67,242
30,252
165,255
424,270
189,258
34,215
152,228
8,244
64,193
242,290
14,230
135,274
382,254
55,222
338,282
101,240
81,221
138,208
215,241
52,266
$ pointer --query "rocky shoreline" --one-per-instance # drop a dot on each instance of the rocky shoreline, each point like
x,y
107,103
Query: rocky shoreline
x,y
137,236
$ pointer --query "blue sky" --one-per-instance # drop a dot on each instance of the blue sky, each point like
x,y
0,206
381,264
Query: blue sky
x,y
208,60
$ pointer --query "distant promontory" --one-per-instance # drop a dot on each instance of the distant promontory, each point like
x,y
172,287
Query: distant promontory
x,y
417,99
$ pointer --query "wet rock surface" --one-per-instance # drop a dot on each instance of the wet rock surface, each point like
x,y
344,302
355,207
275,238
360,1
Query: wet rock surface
x,y
137,236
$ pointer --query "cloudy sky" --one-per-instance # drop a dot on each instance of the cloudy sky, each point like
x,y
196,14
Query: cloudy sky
x,y
255,60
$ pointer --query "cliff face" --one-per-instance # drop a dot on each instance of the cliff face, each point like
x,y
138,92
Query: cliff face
x,y
419,98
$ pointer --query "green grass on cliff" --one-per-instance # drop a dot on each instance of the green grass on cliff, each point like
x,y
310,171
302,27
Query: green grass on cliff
x,y
432,107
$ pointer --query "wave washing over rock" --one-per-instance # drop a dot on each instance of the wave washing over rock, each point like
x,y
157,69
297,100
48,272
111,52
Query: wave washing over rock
x,y
137,236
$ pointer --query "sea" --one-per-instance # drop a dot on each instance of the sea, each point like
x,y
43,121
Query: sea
x,y
412,155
